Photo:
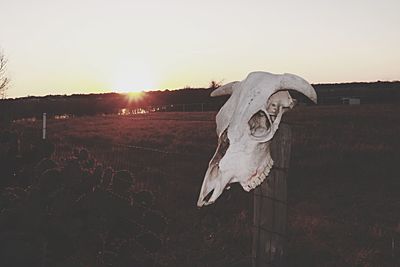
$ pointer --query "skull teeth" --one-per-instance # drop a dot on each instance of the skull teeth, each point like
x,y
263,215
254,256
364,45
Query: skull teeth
x,y
257,180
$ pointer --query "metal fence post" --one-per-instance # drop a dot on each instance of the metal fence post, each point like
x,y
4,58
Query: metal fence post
x,y
270,206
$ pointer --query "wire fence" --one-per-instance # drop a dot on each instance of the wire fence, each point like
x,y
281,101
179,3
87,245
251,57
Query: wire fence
x,y
192,107
375,239
148,165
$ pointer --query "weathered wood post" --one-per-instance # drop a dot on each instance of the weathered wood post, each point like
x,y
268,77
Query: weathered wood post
x,y
270,206
44,127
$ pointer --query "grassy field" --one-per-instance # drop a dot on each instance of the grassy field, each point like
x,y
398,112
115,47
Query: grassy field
x,y
343,184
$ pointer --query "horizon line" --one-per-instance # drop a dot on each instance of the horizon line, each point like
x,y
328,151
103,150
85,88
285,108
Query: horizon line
x,y
177,89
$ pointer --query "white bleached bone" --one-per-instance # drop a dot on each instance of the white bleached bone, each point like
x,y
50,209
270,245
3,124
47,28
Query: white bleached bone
x,y
246,125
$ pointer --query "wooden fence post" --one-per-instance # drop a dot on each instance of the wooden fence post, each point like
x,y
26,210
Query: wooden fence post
x,y
44,127
270,206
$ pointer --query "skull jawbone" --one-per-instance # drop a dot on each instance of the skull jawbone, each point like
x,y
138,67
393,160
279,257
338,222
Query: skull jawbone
x,y
253,181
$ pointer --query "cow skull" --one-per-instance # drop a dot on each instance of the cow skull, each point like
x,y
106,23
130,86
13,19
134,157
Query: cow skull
x,y
245,126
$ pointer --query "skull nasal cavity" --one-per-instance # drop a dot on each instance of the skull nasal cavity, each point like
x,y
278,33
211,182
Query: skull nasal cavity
x,y
223,145
259,124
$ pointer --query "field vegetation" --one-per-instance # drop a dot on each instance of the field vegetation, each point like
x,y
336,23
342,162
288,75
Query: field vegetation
x,y
343,184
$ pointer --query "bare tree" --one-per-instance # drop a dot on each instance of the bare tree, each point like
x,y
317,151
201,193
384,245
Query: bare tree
x,y
214,84
4,80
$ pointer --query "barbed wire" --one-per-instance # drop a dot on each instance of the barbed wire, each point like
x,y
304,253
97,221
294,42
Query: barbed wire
x,y
160,151
157,150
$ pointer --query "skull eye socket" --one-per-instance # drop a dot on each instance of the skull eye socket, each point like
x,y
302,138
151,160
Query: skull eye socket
x,y
259,124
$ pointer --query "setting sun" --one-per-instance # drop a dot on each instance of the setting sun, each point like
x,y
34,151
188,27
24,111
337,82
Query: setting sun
x,y
134,96
133,76
133,84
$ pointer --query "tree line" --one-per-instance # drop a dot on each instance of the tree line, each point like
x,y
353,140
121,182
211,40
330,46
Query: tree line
x,y
112,103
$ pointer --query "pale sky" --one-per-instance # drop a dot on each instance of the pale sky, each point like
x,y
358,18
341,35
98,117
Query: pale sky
x,y
84,46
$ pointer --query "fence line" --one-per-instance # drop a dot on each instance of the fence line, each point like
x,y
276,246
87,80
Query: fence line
x,y
171,167
149,149
158,150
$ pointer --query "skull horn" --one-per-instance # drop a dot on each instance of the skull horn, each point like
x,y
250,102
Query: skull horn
x,y
294,82
288,81
226,89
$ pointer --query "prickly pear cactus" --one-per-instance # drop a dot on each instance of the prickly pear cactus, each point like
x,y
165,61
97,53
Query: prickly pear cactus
x,y
78,213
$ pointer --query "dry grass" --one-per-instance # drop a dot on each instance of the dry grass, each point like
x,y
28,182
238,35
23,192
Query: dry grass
x,y
343,183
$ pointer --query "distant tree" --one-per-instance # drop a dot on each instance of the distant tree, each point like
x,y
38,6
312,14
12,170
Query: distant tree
x,y
4,80
214,84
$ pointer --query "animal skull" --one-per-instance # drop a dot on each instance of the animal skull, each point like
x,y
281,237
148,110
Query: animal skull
x,y
245,126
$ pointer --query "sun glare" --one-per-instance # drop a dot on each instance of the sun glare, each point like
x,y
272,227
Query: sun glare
x,y
133,77
134,96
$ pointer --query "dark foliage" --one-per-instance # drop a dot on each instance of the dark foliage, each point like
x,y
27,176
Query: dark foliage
x,y
111,103
73,214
